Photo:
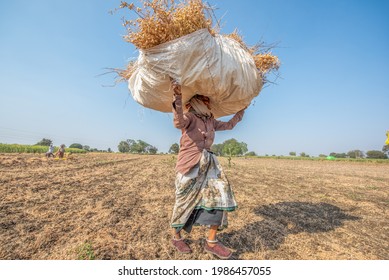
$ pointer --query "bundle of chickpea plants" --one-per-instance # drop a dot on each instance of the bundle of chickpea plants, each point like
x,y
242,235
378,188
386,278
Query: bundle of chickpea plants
x,y
177,40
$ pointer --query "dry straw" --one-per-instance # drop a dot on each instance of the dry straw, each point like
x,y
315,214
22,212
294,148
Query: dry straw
x,y
265,61
161,21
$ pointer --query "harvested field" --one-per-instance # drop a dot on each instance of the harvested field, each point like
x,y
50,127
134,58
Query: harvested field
x,y
116,206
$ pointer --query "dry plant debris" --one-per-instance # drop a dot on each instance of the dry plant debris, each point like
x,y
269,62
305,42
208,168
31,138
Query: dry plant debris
x,y
161,21
118,206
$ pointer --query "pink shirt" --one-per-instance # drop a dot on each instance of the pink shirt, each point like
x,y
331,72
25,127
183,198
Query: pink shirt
x,y
197,134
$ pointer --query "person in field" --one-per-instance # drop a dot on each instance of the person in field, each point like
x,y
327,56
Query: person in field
x,y
61,151
50,152
203,194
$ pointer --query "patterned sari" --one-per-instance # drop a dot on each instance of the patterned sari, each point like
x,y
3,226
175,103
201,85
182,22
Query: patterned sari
x,y
206,187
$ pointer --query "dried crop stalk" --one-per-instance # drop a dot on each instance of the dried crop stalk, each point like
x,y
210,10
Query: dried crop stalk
x,y
264,61
161,21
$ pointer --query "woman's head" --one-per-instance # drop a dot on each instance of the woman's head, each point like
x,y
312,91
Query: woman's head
x,y
202,98
200,104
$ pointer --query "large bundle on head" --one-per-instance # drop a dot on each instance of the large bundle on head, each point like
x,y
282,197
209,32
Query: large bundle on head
x,y
177,40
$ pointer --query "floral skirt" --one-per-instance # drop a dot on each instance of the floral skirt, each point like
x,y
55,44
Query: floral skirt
x,y
206,187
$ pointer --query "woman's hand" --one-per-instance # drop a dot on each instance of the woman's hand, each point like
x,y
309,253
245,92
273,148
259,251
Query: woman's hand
x,y
176,86
177,89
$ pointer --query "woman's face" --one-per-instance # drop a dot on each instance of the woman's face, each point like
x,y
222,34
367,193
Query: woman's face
x,y
206,101
203,99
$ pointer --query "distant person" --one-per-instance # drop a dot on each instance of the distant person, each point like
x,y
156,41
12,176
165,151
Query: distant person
x,y
50,152
61,151
203,193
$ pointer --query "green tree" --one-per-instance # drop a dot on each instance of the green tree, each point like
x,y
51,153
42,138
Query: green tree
x,y
376,154
385,149
293,154
251,154
304,154
132,146
124,147
355,154
140,147
217,149
151,150
174,148
232,147
86,148
338,155
109,150
76,146
44,142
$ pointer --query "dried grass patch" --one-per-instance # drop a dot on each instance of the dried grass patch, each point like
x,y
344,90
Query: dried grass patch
x,y
115,206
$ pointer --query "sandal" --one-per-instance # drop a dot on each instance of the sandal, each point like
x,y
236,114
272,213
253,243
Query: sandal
x,y
218,250
181,246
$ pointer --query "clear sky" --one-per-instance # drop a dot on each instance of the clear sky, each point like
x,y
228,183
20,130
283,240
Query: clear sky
x,y
333,94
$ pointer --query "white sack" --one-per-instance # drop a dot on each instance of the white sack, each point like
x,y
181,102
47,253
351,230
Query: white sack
x,y
217,67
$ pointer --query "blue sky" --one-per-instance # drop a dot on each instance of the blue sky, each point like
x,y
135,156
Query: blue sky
x,y
332,95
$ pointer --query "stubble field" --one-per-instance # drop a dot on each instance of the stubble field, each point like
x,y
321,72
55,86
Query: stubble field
x,y
116,206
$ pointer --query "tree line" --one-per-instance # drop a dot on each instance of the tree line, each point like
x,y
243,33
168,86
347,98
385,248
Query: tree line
x,y
373,154
136,147
48,142
230,147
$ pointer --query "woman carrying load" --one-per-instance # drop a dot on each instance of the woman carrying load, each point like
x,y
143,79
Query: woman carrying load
x,y
61,151
203,193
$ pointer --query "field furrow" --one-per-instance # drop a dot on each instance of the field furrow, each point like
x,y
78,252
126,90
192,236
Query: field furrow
x,y
117,206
